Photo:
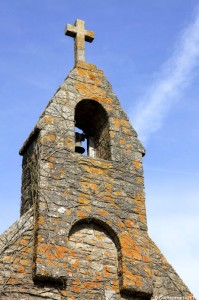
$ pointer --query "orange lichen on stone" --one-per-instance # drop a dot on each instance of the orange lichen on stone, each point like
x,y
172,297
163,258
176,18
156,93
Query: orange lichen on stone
x,y
95,90
94,78
81,214
134,254
42,248
118,193
41,220
51,165
75,264
39,238
99,277
69,142
75,289
88,208
140,179
52,159
82,72
11,280
20,269
27,250
8,259
55,222
92,170
49,120
95,163
91,186
91,284
24,242
129,223
51,256
129,278
16,260
122,141
108,271
146,259
60,251
139,283
142,218
89,75
117,124
25,262
48,138
88,66
103,213
68,212
83,200
110,198
48,262
112,134
126,240
137,164
57,176
120,224
127,131
90,91
139,201
76,283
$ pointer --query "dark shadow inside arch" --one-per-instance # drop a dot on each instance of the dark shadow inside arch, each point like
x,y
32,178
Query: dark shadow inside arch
x,y
92,119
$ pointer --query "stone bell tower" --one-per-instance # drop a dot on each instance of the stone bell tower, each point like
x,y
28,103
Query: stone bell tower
x,y
83,219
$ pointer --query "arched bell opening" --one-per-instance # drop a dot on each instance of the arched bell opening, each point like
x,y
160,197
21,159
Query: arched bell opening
x,y
92,119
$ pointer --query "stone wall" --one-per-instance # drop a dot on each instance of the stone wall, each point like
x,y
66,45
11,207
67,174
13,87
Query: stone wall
x,y
73,188
30,167
93,258
167,283
93,253
85,234
16,256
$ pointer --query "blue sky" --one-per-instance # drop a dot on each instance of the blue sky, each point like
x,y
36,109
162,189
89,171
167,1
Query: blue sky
x,y
149,51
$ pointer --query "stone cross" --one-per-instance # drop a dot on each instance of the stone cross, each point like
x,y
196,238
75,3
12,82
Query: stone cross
x,y
80,34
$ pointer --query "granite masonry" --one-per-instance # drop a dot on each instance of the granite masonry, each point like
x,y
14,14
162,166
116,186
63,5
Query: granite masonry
x,y
83,232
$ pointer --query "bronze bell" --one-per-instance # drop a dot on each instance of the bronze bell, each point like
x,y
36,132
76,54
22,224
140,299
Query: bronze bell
x,y
79,138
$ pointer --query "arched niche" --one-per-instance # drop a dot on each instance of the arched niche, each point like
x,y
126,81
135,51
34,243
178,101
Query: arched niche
x,y
94,261
92,119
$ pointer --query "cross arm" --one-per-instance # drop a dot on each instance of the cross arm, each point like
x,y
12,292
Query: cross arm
x,y
89,36
70,30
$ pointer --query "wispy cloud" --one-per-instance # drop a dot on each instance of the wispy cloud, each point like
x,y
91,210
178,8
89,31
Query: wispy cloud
x,y
176,74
